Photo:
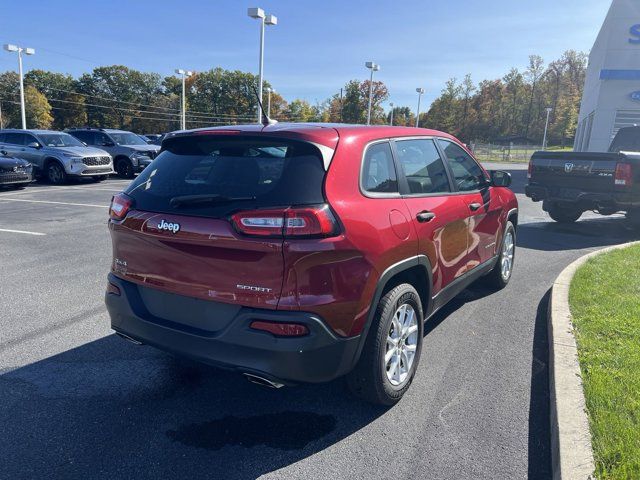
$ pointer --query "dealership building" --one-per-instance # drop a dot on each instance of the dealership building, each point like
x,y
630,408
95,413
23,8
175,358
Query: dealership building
x,y
611,97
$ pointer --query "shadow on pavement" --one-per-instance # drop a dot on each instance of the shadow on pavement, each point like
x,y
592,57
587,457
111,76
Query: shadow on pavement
x,y
539,429
108,409
585,233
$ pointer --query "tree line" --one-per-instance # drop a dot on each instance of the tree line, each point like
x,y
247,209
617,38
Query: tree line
x,y
120,97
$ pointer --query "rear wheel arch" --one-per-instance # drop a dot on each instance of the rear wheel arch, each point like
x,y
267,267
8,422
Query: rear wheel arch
x,y
415,271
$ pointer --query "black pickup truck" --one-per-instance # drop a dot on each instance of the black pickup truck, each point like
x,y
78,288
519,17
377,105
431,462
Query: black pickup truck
x,y
570,183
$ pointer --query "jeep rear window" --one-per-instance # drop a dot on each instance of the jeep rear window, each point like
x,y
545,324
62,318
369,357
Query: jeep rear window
x,y
237,172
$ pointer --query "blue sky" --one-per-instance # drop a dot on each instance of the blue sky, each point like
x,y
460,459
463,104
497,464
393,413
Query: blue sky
x,y
316,47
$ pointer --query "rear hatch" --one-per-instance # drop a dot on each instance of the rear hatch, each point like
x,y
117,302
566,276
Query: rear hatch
x,y
585,171
205,219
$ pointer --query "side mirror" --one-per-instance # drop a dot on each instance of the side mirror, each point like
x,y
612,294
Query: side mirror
x,y
500,178
35,145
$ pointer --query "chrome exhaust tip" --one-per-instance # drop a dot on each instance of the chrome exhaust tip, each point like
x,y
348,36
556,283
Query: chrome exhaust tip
x,y
265,382
129,339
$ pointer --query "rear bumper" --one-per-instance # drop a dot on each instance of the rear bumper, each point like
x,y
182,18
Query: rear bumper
x,y
317,357
585,200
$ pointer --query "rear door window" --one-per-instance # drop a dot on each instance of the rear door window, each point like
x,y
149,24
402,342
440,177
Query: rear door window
x,y
422,166
15,138
213,176
378,170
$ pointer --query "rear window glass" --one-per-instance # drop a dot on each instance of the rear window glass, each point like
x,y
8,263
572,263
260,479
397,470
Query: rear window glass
x,y
214,176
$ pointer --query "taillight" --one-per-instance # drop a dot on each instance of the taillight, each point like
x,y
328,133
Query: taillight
x,y
530,169
281,329
120,206
624,175
316,221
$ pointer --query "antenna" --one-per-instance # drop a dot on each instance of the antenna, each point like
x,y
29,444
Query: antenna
x,y
266,121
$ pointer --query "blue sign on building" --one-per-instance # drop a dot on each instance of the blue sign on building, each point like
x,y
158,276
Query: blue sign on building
x,y
634,32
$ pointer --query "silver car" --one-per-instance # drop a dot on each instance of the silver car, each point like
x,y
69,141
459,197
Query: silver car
x,y
56,156
131,153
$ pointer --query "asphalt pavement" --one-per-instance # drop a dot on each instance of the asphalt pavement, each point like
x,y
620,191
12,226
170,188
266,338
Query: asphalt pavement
x,y
78,402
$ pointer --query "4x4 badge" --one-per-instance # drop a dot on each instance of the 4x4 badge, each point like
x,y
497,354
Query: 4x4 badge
x,y
172,227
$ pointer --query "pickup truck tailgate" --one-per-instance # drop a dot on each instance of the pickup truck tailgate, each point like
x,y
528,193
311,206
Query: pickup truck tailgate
x,y
588,171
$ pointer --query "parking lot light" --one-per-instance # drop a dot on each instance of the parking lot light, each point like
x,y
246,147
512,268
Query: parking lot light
x,y
546,125
391,120
27,51
185,74
269,92
258,14
420,91
374,67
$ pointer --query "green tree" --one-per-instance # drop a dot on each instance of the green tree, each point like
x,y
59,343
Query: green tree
x,y
38,109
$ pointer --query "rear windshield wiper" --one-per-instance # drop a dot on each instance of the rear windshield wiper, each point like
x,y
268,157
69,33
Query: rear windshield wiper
x,y
206,198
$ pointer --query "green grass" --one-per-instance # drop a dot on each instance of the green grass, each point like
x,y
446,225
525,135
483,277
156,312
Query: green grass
x,y
605,305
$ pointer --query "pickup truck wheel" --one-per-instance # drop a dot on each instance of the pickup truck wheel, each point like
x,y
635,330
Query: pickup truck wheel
x,y
500,275
124,168
564,214
55,174
392,349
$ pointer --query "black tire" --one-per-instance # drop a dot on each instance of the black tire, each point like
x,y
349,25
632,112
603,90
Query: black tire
x,y
369,379
55,174
99,178
564,214
124,168
495,278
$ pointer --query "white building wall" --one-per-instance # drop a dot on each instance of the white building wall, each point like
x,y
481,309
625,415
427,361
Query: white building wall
x,y
612,76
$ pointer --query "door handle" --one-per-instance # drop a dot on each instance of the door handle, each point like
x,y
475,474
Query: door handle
x,y
474,206
425,216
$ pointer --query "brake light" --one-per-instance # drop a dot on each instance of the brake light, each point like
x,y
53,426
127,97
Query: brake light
x,y
624,175
530,169
317,221
280,329
120,206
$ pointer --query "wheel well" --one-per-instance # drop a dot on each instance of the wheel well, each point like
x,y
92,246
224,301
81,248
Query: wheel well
x,y
48,160
417,277
121,157
513,218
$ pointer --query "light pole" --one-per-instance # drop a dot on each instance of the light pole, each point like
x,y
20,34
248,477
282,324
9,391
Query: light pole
x,y
546,125
185,74
420,92
269,92
391,119
28,51
374,68
259,14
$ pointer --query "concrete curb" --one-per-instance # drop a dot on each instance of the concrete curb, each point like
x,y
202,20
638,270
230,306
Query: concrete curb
x,y
571,452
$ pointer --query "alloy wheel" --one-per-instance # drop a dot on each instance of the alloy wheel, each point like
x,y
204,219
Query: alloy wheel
x,y
508,248
402,340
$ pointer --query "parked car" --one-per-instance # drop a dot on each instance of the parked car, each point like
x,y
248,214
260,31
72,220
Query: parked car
x,y
14,172
130,152
302,253
153,138
570,183
56,156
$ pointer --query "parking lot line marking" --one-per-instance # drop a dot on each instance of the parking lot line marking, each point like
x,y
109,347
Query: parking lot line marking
x,y
33,190
51,202
21,231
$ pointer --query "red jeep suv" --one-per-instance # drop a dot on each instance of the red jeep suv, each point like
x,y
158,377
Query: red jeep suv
x,y
302,252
